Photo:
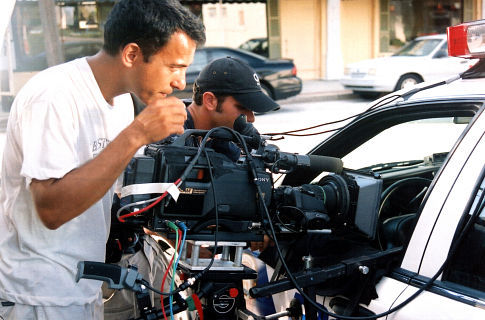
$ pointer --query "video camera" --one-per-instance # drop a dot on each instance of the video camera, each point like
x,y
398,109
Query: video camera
x,y
225,203
232,196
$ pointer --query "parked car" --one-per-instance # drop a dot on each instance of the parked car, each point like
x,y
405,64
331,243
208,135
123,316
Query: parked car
x,y
426,147
72,50
256,45
278,77
423,59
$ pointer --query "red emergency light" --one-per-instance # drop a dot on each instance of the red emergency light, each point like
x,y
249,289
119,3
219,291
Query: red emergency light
x,y
467,40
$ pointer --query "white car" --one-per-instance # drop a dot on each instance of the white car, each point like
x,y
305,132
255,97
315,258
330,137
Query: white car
x,y
423,59
427,260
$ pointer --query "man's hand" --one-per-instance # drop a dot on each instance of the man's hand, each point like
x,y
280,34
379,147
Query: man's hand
x,y
160,118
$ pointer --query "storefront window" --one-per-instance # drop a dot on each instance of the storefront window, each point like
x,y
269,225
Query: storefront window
x,y
27,29
80,29
79,20
409,19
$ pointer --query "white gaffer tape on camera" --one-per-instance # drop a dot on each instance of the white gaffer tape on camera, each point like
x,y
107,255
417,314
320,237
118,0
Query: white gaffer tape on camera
x,y
147,188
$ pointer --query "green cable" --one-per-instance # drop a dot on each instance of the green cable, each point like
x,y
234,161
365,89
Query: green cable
x,y
190,304
172,226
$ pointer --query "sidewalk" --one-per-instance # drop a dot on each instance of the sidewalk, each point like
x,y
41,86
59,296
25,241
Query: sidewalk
x,y
320,90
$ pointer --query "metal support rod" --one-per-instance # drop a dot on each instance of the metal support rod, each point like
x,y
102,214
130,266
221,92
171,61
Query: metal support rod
x,y
225,253
183,256
195,255
238,256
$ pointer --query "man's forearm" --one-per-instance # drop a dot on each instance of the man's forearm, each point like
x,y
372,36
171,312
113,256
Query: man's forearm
x,y
59,200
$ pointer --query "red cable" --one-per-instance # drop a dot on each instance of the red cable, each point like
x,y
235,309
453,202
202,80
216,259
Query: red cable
x,y
166,273
134,213
198,306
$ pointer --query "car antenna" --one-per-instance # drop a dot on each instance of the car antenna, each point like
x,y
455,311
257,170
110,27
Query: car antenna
x,y
413,91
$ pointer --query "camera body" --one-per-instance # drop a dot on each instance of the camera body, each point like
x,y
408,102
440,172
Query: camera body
x,y
230,185
234,196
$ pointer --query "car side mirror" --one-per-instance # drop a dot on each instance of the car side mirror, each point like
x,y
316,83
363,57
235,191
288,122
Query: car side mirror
x,y
462,120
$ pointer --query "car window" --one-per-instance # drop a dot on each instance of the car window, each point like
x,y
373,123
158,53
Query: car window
x,y
412,140
467,266
418,48
200,61
443,51
250,44
264,45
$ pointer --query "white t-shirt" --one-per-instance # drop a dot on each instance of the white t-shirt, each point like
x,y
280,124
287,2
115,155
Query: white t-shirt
x,y
59,120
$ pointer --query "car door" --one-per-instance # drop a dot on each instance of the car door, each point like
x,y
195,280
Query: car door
x,y
460,291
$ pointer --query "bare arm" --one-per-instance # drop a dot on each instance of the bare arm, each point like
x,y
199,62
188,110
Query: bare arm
x,y
59,200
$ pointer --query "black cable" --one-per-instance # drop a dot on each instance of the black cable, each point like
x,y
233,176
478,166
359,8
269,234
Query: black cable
x,y
311,134
147,285
291,132
209,165
377,104
201,149
286,225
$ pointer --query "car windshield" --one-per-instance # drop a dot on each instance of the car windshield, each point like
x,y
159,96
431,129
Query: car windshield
x,y
250,44
418,48
435,136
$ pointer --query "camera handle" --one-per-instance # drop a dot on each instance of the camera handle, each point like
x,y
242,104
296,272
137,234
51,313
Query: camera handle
x,y
128,278
115,276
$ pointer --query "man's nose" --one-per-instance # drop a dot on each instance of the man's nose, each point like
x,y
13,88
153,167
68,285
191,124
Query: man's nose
x,y
179,83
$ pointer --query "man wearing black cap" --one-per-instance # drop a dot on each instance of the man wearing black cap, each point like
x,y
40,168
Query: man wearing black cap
x,y
225,89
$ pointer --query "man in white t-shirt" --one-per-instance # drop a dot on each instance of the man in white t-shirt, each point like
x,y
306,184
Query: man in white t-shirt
x,y
70,135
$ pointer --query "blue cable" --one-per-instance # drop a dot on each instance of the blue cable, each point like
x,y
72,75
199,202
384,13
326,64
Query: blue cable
x,y
172,226
172,283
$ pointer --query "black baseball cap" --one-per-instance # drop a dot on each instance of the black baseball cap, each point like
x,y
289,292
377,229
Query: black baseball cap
x,y
235,77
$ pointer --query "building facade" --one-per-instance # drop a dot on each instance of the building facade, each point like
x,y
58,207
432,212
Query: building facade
x,y
321,36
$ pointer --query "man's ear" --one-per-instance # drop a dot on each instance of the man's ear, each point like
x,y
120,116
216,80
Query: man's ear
x,y
209,100
131,54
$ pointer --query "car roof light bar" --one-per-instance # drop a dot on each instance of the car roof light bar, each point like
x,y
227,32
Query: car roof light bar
x,y
467,40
